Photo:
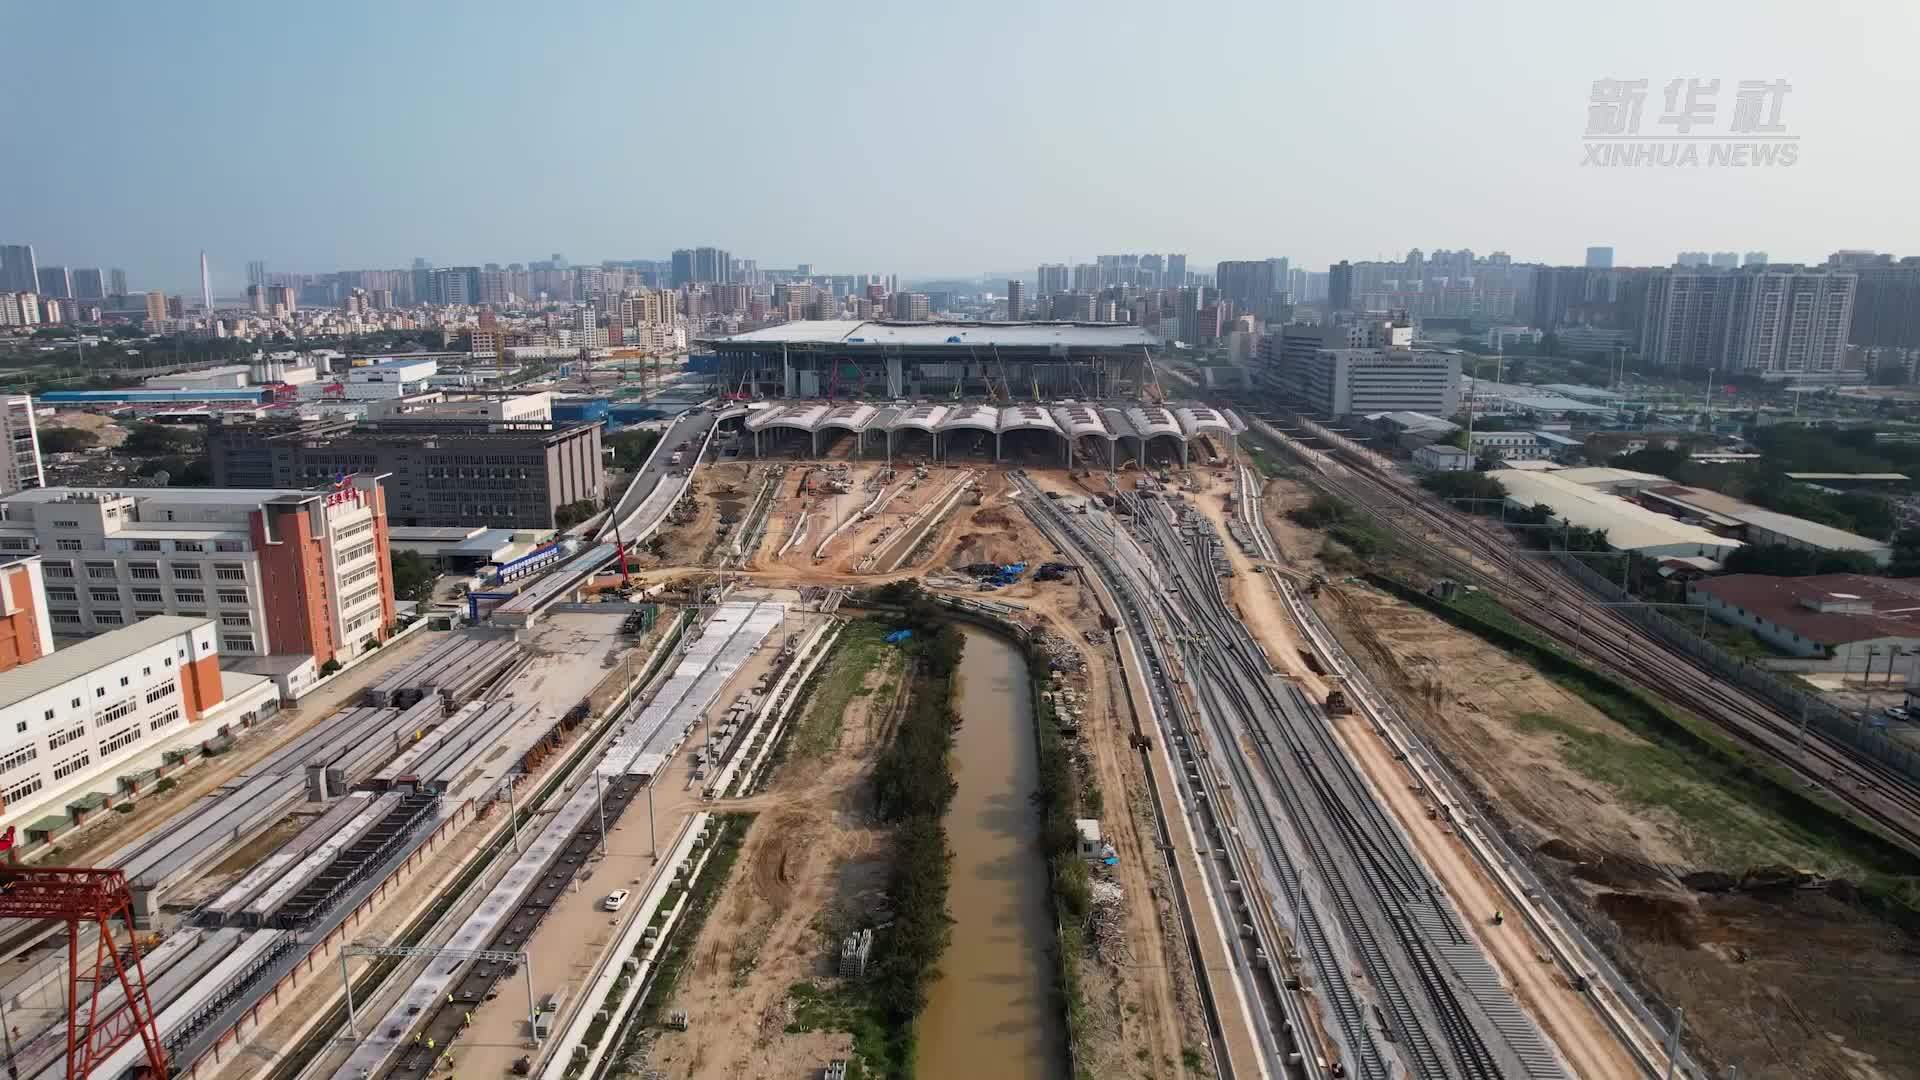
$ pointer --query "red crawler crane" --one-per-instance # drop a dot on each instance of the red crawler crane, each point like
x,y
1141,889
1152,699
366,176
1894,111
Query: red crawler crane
x,y
77,894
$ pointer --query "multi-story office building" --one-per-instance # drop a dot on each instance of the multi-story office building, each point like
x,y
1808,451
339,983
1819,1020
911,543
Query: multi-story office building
x,y
511,474
1753,321
281,572
18,271
1362,365
25,633
1052,278
1599,258
1343,382
20,436
55,283
89,283
1016,300
69,721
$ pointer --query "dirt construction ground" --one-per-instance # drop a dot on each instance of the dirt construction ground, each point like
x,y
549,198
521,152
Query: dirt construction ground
x,y
1779,982
812,853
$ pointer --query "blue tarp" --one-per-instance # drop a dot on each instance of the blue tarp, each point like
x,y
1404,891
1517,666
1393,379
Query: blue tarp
x,y
898,636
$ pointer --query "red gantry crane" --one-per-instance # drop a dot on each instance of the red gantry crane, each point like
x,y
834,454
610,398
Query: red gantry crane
x,y
99,897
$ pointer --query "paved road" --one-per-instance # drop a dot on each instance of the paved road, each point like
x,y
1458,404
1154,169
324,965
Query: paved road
x,y
691,428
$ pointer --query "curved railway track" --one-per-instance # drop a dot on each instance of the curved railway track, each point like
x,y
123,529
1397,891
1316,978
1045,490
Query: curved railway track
x,y
1553,602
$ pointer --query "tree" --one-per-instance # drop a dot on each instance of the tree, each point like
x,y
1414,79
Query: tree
x,y
66,440
570,514
157,440
413,576
1779,560
631,448
329,668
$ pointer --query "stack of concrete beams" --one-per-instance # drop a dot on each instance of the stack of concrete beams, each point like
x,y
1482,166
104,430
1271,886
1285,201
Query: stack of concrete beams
x,y
374,740
231,814
268,901
193,1002
404,767
470,671
441,768
320,892
230,903
39,1043
415,679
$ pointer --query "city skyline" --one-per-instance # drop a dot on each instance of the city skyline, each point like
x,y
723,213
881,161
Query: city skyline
x,y
1260,166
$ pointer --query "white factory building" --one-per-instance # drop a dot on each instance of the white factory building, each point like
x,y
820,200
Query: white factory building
x,y
73,724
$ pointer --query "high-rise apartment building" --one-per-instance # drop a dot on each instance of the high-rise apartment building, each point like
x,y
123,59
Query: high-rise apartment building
x,y
157,306
1886,305
1016,300
911,306
206,286
710,265
1726,260
1340,286
257,299
1755,321
20,436
257,272
55,283
1176,272
1087,278
1754,258
89,283
113,558
281,300
1692,259
18,271
682,267
1052,278
1599,258
495,287
117,281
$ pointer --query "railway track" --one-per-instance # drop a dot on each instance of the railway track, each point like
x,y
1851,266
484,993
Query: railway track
x,y
1554,603
1438,997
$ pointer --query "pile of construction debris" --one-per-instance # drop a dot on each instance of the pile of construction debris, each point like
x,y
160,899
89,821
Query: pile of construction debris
x,y
1106,921
1062,654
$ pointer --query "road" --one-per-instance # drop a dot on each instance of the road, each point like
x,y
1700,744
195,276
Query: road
x,y
691,428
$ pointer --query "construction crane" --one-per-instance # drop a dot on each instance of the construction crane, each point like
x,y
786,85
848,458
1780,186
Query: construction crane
x,y
97,897
620,549
1150,387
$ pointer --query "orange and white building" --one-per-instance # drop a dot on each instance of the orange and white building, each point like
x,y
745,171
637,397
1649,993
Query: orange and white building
x,y
25,635
281,573
74,722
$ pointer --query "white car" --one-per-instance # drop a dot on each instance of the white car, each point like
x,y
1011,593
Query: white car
x,y
615,900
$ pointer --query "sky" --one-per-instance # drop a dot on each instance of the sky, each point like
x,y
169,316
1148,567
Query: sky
x,y
926,139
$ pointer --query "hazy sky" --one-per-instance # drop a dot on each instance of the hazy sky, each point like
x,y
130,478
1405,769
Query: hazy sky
x,y
925,138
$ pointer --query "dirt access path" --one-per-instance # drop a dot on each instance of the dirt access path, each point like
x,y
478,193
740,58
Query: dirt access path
x,y
1144,1008
812,858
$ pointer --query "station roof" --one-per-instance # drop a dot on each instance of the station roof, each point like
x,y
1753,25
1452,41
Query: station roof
x,y
958,334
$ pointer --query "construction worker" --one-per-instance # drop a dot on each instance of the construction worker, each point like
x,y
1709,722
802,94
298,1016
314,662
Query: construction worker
x,y
1496,918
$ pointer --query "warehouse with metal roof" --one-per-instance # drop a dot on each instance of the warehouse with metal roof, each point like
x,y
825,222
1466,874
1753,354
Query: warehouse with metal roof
x,y
1628,525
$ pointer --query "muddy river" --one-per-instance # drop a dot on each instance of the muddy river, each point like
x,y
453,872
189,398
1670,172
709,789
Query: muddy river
x,y
991,1011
